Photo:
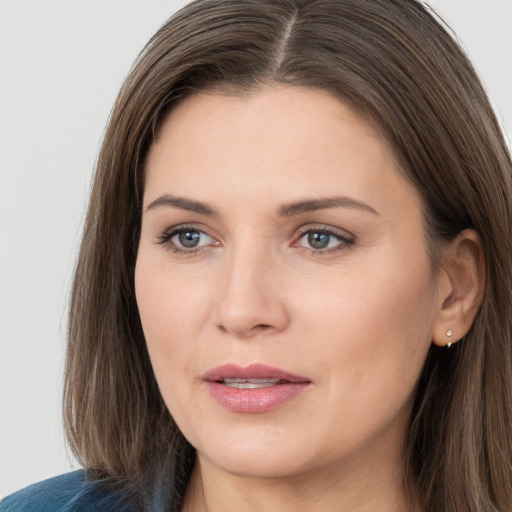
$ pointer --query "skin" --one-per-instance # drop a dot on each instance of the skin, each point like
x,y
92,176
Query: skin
x,y
357,318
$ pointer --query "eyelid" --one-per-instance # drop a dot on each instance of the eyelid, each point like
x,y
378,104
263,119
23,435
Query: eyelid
x,y
164,238
341,233
345,238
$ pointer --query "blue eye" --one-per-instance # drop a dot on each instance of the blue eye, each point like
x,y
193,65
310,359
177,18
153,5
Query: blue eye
x,y
190,239
323,240
319,240
186,239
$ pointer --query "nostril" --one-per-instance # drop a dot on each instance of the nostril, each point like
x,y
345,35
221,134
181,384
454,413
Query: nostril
x,y
244,331
262,327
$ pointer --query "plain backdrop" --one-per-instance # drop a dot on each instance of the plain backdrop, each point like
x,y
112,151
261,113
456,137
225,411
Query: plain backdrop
x,y
61,65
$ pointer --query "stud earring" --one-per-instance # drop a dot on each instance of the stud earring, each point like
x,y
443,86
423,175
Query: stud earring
x,y
449,334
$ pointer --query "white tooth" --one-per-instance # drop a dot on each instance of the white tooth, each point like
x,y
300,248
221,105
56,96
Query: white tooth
x,y
250,383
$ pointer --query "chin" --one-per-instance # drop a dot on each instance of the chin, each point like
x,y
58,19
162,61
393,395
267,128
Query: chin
x,y
258,465
270,454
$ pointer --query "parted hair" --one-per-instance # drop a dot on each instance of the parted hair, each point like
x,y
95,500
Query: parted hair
x,y
397,64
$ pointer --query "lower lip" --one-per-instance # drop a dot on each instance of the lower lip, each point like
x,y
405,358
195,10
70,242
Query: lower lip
x,y
255,400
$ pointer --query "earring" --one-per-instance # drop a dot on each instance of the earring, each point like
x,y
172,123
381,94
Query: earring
x,y
449,334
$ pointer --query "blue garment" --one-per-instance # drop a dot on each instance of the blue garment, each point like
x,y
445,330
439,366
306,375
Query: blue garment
x,y
71,492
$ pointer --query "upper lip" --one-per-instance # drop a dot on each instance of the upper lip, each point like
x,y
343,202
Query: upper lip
x,y
253,371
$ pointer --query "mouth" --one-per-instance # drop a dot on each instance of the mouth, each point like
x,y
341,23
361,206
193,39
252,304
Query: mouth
x,y
261,375
251,383
253,389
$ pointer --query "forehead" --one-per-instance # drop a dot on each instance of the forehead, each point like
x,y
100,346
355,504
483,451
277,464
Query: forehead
x,y
278,141
273,105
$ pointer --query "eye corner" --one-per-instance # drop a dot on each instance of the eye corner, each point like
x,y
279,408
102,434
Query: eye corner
x,y
186,239
323,240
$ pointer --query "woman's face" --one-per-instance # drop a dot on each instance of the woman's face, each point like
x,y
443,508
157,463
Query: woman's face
x,y
283,283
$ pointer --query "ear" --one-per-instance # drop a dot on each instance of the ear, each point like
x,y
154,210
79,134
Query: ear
x,y
461,287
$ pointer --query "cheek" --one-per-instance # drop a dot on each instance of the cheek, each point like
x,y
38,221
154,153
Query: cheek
x,y
364,302
374,326
173,312
368,347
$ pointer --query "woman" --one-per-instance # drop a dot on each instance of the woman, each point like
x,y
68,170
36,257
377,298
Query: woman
x,y
294,286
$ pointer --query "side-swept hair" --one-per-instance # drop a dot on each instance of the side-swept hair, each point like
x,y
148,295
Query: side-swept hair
x,y
395,63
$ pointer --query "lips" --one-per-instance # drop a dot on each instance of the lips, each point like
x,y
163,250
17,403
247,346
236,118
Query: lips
x,y
253,389
251,383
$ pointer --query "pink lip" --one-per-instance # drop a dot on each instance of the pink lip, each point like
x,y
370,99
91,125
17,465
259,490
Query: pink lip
x,y
253,400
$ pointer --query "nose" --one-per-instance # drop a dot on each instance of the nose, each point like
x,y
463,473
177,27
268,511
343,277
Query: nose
x,y
252,299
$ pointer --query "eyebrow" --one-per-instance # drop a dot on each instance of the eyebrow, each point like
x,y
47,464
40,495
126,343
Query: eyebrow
x,y
321,204
288,210
184,204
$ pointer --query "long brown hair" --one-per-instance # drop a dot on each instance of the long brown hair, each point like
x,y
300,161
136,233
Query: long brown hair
x,y
396,64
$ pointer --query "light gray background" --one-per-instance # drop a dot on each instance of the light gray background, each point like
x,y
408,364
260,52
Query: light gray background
x,y
61,64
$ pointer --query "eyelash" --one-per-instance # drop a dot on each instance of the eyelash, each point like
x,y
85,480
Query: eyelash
x,y
165,239
345,240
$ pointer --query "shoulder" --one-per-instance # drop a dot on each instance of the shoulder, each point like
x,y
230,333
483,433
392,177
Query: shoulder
x,y
71,492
